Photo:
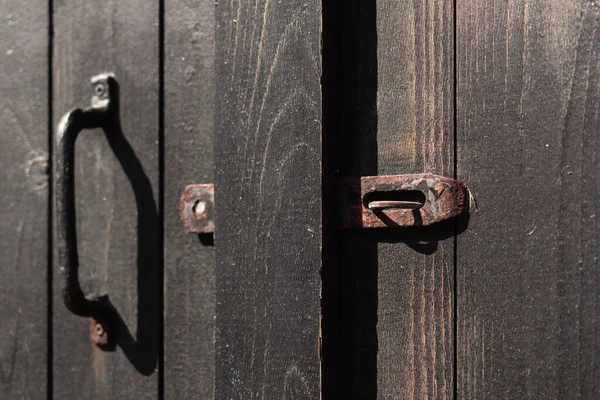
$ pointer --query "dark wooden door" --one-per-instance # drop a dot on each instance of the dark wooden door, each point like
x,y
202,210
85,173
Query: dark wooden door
x,y
159,280
528,100
276,102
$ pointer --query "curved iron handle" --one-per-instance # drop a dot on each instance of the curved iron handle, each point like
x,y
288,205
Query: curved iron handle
x,y
72,123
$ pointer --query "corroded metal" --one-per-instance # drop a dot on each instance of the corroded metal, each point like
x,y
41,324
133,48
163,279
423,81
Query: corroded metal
x,y
443,199
197,208
103,109
99,333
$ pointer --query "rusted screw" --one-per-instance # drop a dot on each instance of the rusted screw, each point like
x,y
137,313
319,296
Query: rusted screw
x,y
99,90
199,208
98,334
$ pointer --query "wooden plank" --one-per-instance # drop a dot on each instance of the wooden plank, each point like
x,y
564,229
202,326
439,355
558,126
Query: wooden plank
x,y
24,197
189,262
268,192
396,288
116,196
528,101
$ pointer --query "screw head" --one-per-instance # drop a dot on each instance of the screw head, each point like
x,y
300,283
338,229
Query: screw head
x,y
99,90
199,208
98,334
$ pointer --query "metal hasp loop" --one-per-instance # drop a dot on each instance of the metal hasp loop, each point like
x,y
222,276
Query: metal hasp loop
x,y
401,201
102,110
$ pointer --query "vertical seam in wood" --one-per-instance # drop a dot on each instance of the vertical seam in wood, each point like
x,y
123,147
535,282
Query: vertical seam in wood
x,y
161,196
455,244
330,106
49,227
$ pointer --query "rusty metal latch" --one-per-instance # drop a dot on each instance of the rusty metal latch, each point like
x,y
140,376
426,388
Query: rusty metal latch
x,y
391,201
401,201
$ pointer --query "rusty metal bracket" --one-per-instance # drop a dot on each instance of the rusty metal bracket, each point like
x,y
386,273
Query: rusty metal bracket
x,y
197,208
400,201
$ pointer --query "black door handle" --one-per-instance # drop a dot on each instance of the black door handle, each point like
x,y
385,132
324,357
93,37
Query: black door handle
x,y
102,110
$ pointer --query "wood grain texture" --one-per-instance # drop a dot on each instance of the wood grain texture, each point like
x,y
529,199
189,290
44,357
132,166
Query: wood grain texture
x,y
24,199
189,262
396,288
116,178
267,189
528,145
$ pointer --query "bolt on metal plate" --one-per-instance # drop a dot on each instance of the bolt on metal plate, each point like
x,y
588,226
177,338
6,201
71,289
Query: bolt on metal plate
x,y
197,208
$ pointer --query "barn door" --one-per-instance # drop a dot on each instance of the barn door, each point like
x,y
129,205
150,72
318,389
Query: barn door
x,y
503,96
278,103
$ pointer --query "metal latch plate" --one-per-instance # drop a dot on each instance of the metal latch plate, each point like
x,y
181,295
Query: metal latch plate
x,y
399,201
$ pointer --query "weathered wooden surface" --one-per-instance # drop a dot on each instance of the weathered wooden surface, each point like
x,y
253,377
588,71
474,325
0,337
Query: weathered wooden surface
x,y
24,198
189,262
396,288
267,189
331,34
117,198
528,101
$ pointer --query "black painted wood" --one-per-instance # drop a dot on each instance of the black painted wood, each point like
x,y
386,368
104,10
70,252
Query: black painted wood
x,y
268,192
396,288
528,97
528,145
189,259
24,194
116,178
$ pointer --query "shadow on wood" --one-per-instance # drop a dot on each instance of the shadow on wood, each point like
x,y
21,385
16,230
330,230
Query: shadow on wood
x,y
386,109
141,351
207,239
358,156
359,276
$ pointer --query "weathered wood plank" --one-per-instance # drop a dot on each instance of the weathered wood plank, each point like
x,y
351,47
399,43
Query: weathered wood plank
x,y
528,101
116,194
268,194
24,198
189,263
396,292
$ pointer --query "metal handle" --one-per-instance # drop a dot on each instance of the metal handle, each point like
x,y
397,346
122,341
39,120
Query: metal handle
x,y
72,123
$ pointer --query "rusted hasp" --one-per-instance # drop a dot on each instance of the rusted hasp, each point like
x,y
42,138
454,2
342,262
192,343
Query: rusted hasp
x,y
197,208
400,201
